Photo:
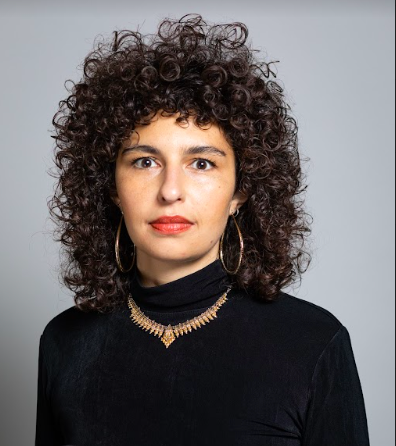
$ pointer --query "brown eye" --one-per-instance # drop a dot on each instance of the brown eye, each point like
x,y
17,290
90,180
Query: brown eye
x,y
202,163
146,163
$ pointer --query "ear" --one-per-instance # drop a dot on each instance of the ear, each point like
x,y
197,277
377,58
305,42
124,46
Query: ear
x,y
114,197
238,200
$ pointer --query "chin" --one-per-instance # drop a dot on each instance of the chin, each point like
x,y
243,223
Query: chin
x,y
172,256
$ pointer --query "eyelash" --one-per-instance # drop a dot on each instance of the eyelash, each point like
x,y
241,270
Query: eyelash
x,y
134,162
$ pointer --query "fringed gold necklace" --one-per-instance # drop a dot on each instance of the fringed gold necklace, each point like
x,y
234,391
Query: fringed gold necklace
x,y
169,333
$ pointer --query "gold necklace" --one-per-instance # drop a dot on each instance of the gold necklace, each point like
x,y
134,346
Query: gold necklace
x,y
169,333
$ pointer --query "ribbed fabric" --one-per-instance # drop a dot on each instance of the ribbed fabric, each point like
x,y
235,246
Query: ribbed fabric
x,y
198,290
260,374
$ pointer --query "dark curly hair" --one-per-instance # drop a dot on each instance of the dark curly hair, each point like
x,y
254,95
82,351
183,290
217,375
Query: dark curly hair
x,y
210,73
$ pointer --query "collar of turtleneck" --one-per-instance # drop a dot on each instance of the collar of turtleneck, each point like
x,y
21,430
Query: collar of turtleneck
x,y
200,289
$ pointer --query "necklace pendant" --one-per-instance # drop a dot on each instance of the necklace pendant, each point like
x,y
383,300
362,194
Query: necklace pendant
x,y
169,333
168,337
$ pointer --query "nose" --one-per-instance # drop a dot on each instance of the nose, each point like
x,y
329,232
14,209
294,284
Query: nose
x,y
172,185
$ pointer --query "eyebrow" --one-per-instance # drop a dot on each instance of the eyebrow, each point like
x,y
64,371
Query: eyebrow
x,y
195,150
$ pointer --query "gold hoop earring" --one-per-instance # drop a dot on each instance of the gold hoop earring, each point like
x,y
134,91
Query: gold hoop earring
x,y
117,250
240,244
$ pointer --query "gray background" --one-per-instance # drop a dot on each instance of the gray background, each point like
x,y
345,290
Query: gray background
x,y
337,65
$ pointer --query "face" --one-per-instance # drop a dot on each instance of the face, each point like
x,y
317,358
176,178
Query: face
x,y
171,169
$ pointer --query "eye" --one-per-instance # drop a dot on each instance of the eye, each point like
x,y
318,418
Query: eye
x,y
145,163
203,161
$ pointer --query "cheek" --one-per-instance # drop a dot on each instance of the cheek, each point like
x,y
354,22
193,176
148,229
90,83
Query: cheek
x,y
130,190
213,204
220,193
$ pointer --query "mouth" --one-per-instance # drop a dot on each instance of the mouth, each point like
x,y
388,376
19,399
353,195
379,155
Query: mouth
x,y
171,228
171,224
165,219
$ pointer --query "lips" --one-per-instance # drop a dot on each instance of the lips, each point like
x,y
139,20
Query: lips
x,y
171,220
171,225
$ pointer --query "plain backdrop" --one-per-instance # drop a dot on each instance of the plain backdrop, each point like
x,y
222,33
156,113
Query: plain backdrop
x,y
337,63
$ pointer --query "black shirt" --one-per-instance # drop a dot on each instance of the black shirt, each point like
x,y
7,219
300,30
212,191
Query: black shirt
x,y
259,374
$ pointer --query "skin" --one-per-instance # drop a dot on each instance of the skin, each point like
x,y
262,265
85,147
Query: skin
x,y
175,183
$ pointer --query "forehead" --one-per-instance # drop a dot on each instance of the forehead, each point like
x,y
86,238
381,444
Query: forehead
x,y
165,131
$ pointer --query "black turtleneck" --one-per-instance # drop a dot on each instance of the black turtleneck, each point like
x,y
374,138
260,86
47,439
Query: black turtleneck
x,y
199,290
259,374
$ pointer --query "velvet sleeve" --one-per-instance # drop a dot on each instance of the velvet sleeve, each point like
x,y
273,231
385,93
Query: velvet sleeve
x,y
336,409
46,431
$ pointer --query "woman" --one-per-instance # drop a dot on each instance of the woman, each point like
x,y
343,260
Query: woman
x,y
178,208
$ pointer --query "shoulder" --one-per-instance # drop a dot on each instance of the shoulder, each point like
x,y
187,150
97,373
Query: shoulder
x,y
316,321
304,311
311,317
72,324
292,320
289,309
69,319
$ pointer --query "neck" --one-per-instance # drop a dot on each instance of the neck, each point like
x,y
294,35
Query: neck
x,y
155,272
197,290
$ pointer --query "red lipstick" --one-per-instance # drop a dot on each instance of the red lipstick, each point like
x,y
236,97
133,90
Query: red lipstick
x,y
171,225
